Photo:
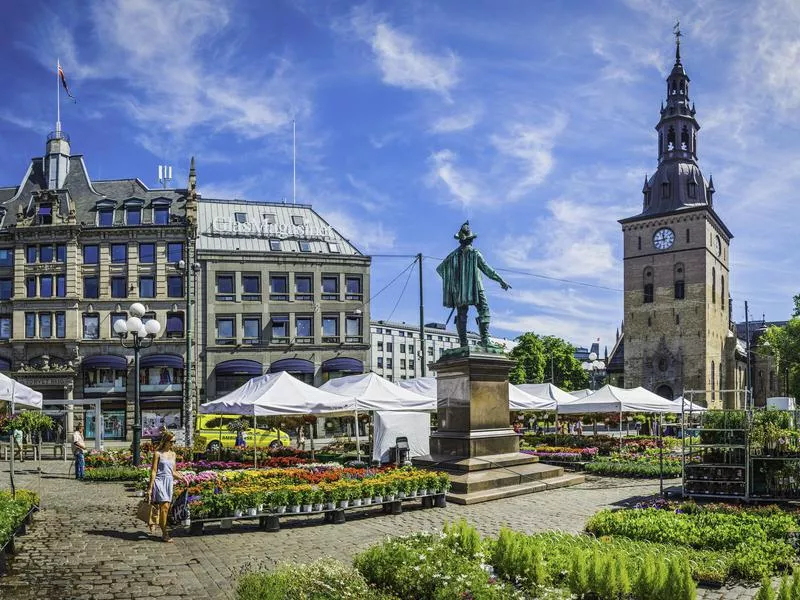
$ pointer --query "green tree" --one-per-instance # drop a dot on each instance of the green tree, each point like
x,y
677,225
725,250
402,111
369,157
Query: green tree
x,y
547,359
784,344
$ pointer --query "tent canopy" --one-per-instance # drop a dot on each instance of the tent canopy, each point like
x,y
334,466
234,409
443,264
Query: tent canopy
x,y
610,399
547,391
373,392
277,394
17,393
519,398
581,393
389,425
687,405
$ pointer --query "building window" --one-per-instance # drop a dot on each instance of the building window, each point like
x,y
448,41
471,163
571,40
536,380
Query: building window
x,y
147,286
333,247
411,363
240,217
665,190
105,217
380,362
251,330
133,215
304,329
30,254
402,363
305,246
648,293
6,257
279,287
6,289
298,220
352,329
330,328
722,291
119,253
680,287
45,325
389,347
45,214
46,286
269,218
174,324
61,253
380,346
91,326
46,253
279,329
330,287
692,189
174,252
119,287
411,348
161,215
5,327
402,348
275,245
61,325
226,291
30,325
713,285
90,255
303,288
353,289
251,288
688,237
30,287
147,253
430,352
113,318
175,286
389,364
90,287
226,332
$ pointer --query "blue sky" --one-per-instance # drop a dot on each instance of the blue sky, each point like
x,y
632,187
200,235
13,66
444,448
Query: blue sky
x,y
532,119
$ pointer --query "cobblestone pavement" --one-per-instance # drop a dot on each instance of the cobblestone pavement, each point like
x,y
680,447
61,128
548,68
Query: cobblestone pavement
x,y
86,543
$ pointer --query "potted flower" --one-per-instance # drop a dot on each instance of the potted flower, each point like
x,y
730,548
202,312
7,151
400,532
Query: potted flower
x,y
390,491
328,501
377,492
367,491
306,499
317,496
340,495
293,499
443,482
237,503
277,500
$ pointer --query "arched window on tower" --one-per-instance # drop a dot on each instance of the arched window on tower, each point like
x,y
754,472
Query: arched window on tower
x,y
713,285
640,243
680,286
691,189
694,144
681,86
665,190
688,237
722,292
660,144
648,285
684,138
713,380
671,139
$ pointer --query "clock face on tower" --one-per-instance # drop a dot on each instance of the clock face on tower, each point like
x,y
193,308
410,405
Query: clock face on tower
x,y
663,238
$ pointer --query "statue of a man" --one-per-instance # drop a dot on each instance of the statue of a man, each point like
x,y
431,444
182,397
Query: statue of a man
x,y
462,285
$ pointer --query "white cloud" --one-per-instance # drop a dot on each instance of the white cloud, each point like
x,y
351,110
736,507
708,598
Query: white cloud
x,y
402,60
365,234
456,122
458,183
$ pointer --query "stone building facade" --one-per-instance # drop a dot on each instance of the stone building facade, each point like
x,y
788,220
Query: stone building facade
x,y
677,328
74,254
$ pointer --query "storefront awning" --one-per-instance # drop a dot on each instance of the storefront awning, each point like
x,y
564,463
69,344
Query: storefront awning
x,y
162,360
344,364
292,365
240,366
105,361
5,364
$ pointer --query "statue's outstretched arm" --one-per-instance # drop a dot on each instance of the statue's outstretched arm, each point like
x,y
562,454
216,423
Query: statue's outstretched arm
x,y
490,272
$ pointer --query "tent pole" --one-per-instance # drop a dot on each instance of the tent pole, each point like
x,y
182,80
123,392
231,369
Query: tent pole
x,y
620,427
11,463
358,440
255,442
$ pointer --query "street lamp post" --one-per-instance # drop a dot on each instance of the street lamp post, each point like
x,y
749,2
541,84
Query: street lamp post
x,y
592,366
142,335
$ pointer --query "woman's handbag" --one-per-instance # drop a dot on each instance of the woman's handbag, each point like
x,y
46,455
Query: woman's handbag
x,y
144,512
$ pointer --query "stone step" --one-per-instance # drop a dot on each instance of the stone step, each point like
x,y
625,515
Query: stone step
x,y
476,481
516,490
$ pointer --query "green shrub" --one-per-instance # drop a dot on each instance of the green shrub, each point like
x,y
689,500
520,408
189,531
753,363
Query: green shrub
x,y
618,467
13,512
326,579
116,474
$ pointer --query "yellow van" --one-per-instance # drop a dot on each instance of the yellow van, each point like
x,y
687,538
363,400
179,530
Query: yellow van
x,y
214,431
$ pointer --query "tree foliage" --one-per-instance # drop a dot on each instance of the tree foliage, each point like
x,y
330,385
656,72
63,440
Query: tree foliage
x,y
784,344
540,356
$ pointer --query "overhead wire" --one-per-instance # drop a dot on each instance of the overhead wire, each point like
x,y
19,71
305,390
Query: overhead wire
x,y
400,297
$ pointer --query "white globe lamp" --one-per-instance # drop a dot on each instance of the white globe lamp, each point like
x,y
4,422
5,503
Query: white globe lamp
x,y
137,309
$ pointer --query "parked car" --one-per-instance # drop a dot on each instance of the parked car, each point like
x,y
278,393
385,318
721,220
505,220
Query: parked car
x,y
216,433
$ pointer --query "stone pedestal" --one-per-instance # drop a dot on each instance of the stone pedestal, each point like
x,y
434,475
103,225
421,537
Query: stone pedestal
x,y
474,441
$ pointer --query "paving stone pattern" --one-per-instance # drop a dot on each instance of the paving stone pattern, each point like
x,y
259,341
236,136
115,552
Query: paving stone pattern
x,y
87,544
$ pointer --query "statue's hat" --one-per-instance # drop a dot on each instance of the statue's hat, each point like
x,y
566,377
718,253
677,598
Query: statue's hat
x,y
465,233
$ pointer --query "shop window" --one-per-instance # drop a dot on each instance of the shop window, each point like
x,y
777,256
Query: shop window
x,y
113,425
160,379
107,381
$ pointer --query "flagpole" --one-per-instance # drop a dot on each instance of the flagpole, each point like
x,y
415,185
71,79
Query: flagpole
x,y
294,163
58,97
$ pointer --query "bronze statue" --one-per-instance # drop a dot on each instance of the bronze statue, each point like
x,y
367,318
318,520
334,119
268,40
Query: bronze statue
x,y
462,285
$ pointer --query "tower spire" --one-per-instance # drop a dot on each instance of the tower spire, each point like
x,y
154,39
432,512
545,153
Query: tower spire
x,y
676,31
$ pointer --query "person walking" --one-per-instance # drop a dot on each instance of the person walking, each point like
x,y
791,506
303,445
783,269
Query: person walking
x,y
18,446
240,443
162,475
78,448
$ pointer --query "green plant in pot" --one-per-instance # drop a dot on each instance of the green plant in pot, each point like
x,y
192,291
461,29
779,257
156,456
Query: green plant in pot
x,y
378,491
367,491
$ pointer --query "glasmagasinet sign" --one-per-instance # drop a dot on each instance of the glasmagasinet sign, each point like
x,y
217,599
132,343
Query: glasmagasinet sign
x,y
231,227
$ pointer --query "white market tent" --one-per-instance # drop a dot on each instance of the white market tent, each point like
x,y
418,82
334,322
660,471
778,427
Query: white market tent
x,y
519,398
547,392
16,393
687,405
610,399
391,424
373,392
581,393
277,394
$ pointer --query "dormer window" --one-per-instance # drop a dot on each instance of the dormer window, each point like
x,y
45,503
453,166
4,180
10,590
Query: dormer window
x,y
665,190
161,214
269,218
298,220
240,217
105,217
692,189
133,215
44,216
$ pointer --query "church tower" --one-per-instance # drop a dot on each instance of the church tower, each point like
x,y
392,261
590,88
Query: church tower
x,y
676,265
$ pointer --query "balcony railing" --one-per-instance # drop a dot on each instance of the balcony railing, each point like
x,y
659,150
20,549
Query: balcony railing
x,y
162,388
109,387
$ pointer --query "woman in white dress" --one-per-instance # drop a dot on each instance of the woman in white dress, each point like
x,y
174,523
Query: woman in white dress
x,y
161,481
